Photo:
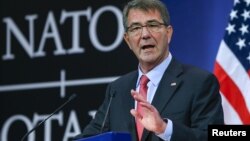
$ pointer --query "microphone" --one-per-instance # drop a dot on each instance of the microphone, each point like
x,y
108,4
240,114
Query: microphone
x,y
111,96
106,114
58,109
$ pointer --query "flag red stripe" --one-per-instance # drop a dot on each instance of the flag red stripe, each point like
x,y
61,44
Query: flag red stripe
x,y
232,93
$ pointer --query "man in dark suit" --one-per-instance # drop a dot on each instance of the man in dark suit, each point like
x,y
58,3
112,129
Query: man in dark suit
x,y
179,101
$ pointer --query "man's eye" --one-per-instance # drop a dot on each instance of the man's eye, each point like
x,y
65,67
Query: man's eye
x,y
153,25
135,28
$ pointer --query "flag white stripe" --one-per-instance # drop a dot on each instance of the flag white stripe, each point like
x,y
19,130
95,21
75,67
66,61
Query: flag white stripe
x,y
230,115
235,70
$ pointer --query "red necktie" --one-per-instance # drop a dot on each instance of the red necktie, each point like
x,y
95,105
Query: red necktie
x,y
142,91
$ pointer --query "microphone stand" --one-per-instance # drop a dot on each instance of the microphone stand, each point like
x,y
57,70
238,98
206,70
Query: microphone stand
x,y
40,123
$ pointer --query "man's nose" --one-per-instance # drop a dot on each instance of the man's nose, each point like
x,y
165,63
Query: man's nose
x,y
145,33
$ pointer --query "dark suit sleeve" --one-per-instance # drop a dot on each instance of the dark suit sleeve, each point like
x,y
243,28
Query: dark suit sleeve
x,y
94,127
206,109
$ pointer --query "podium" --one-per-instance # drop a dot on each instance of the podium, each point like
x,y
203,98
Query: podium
x,y
109,136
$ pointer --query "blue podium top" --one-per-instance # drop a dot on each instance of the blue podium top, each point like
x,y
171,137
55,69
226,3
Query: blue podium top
x,y
109,136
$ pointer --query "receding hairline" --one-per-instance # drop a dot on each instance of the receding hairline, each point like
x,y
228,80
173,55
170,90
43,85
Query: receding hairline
x,y
147,6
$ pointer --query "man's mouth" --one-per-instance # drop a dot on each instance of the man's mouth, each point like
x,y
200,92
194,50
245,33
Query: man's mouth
x,y
147,46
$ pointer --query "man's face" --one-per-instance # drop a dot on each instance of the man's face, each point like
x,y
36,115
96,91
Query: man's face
x,y
149,45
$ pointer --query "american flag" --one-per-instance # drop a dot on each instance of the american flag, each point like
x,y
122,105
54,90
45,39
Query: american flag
x,y
232,66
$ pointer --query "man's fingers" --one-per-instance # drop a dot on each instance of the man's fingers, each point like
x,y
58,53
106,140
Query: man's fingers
x,y
135,114
147,106
137,96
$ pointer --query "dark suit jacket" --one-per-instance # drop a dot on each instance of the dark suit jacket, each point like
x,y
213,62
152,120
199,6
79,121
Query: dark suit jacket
x,y
192,104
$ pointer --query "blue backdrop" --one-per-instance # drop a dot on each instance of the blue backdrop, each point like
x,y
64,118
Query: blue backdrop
x,y
32,84
199,26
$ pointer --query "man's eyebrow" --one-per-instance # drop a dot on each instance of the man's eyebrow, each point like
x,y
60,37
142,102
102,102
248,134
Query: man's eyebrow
x,y
135,23
153,20
138,23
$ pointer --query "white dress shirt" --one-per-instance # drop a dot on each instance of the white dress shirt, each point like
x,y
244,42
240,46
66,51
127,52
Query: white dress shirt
x,y
155,76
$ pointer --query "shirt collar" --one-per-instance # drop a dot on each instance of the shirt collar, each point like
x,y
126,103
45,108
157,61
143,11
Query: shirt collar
x,y
157,72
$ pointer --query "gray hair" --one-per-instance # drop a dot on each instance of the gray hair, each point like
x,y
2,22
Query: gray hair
x,y
146,5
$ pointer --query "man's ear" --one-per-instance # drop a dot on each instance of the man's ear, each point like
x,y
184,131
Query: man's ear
x,y
169,33
126,38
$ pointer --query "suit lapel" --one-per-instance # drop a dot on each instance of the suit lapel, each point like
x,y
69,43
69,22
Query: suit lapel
x,y
168,85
